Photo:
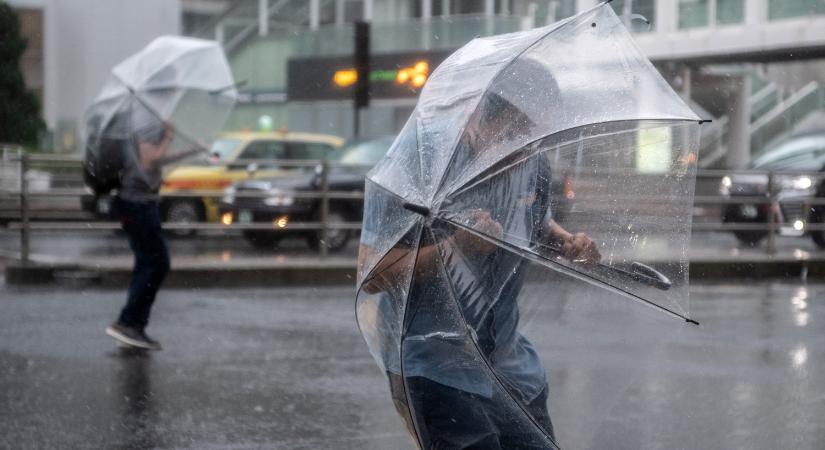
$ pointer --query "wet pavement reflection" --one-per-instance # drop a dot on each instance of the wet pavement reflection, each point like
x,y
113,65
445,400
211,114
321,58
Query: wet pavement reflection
x,y
287,369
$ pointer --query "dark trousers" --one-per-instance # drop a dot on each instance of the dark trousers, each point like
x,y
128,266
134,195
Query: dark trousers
x,y
141,222
449,418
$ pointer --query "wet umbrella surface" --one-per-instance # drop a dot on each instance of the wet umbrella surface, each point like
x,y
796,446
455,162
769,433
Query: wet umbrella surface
x,y
184,83
460,213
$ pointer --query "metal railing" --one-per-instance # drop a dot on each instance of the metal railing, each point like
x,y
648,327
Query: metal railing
x,y
21,201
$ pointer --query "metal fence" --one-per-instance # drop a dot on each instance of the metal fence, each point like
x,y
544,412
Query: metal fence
x,y
44,192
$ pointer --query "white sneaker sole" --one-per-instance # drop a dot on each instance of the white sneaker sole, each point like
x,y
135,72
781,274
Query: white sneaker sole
x,y
127,340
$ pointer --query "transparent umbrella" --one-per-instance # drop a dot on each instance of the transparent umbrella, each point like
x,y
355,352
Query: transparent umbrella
x,y
182,82
558,152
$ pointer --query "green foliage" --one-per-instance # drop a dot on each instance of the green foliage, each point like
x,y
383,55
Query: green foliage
x,y
20,121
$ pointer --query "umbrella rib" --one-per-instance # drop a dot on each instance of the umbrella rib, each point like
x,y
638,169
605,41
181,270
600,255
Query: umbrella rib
x,y
367,276
564,23
495,376
569,270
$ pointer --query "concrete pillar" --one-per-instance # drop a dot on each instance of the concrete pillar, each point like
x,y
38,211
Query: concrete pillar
x,y
445,8
368,9
489,7
739,138
756,12
263,17
667,16
489,11
426,10
426,19
339,12
687,80
314,14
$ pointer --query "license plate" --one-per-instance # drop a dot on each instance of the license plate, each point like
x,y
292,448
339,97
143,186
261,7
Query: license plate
x,y
244,216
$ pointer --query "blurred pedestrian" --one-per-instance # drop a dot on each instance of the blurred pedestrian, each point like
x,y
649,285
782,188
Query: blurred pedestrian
x,y
137,207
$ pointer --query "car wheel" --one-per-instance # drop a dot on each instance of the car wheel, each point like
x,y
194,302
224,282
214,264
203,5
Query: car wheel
x,y
183,212
263,240
751,238
336,238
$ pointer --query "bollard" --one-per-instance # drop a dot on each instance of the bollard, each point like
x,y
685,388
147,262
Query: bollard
x,y
24,208
322,246
773,210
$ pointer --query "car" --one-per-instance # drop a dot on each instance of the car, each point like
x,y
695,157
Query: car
x,y
795,162
191,192
273,200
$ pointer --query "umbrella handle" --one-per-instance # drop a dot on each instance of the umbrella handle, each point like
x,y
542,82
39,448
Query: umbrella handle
x,y
644,274
636,271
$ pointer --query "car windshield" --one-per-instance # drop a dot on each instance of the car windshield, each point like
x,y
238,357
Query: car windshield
x,y
222,149
366,153
802,153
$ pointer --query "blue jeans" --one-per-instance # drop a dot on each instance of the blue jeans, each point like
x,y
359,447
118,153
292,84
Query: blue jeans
x,y
141,222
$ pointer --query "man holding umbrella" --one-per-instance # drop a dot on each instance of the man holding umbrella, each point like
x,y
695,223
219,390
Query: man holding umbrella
x,y
453,406
160,105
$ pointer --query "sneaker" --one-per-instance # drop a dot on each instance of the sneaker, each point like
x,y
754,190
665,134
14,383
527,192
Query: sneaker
x,y
155,344
131,336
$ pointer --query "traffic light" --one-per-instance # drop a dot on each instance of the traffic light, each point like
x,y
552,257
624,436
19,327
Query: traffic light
x,y
362,64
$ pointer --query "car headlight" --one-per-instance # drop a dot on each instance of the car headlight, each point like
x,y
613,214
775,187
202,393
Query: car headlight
x,y
228,195
279,198
724,185
800,183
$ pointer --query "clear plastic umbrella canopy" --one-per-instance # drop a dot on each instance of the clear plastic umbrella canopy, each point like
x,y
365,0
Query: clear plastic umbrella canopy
x,y
184,82
464,289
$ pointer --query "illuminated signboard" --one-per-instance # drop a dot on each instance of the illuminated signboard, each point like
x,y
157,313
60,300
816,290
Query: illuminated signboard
x,y
391,76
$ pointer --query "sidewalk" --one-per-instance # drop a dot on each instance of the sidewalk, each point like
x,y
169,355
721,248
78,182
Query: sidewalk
x,y
709,260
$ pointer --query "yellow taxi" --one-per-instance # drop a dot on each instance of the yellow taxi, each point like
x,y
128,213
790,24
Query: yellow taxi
x,y
191,193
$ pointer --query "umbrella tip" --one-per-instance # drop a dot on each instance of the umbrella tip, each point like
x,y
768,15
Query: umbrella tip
x,y
701,121
418,209
689,320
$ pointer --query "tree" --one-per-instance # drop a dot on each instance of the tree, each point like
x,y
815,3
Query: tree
x,y
20,121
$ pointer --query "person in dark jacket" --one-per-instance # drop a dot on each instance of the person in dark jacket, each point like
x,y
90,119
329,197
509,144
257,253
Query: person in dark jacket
x,y
137,207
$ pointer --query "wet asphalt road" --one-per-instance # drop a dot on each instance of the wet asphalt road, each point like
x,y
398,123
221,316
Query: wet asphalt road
x,y
287,369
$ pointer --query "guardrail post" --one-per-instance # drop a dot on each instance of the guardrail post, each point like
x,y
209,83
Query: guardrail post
x,y
24,207
322,246
773,209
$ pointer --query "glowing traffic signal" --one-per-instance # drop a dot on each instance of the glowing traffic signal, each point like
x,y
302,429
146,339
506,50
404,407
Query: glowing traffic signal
x,y
416,75
345,78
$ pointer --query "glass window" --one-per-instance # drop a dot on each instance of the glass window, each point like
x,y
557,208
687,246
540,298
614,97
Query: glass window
x,y
565,8
367,153
303,150
222,149
353,10
467,7
646,8
693,14
730,11
263,150
786,9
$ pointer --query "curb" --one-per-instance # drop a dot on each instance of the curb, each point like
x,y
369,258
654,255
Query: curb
x,y
19,274
342,273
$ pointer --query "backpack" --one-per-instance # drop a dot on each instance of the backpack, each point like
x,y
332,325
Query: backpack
x,y
102,169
